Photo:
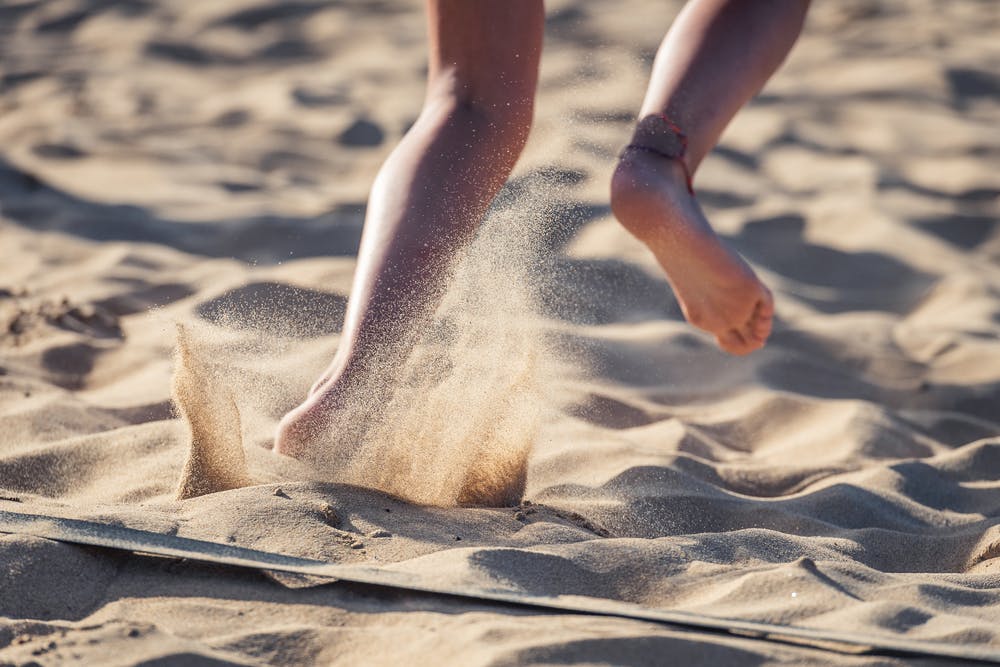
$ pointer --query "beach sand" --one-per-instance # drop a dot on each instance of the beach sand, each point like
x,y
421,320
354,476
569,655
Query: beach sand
x,y
207,165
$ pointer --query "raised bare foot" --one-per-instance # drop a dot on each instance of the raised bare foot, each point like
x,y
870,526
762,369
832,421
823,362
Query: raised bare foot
x,y
716,288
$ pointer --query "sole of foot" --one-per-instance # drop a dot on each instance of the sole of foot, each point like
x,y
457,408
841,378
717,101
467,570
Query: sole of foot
x,y
717,290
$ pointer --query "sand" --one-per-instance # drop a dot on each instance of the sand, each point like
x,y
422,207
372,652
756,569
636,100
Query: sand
x,y
207,164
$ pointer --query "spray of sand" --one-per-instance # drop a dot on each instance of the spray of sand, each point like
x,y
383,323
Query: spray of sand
x,y
466,410
216,461
457,424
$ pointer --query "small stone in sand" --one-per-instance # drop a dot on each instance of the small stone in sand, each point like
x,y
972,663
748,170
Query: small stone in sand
x,y
357,544
379,533
279,493
519,516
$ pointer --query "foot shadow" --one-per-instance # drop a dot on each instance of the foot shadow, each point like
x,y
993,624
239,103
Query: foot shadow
x,y
862,280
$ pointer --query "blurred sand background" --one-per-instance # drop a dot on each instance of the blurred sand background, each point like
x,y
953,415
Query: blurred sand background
x,y
208,163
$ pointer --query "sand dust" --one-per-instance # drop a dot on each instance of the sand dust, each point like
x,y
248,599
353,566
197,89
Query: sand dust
x,y
461,424
216,461
462,414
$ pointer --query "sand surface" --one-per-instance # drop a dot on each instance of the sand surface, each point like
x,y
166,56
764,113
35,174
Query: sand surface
x,y
207,164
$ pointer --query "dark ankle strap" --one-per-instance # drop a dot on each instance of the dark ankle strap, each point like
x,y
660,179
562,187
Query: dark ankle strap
x,y
681,153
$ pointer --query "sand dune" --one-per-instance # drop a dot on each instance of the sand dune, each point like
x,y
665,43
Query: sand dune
x,y
207,164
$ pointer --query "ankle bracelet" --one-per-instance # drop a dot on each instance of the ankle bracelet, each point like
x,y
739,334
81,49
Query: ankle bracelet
x,y
681,153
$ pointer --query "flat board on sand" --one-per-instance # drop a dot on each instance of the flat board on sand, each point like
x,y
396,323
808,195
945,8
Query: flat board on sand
x,y
145,542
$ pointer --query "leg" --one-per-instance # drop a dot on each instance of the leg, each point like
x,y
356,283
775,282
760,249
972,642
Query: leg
x,y
717,55
429,196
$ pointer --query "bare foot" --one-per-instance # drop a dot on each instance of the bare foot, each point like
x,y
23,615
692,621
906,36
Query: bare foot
x,y
302,432
328,426
716,288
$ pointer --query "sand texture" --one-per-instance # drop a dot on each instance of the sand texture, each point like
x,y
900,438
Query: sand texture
x,y
182,189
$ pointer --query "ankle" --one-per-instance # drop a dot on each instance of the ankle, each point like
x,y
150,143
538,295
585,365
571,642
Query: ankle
x,y
644,189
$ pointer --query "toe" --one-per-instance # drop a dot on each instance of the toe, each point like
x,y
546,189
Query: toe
x,y
733,342
758,329
749,334
762,318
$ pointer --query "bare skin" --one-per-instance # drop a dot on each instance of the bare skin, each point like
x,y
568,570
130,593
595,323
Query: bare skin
x,y
433,190
430,195
717,55
717,290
